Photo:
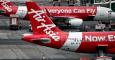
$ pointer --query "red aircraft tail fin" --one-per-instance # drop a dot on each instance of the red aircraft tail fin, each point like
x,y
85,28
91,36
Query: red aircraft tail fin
x,y
6,5
40,22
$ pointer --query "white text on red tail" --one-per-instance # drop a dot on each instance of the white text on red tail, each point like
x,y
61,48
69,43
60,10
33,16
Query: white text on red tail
x,y
5,5
39,18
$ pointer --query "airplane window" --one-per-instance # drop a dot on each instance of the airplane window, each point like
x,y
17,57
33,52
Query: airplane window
x,y
72,43
77,40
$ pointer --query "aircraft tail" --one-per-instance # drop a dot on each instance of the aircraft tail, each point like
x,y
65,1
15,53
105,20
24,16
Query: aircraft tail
x,y
6,5
40,22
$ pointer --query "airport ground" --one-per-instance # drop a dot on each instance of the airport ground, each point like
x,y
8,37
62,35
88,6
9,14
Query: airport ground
x,y
12,47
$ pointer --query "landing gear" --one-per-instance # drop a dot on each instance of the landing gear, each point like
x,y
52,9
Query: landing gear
x,y
101,54
14,24
30,28
101,50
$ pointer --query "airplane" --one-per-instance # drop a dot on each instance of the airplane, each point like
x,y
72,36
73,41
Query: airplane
x,y
46,33
74,15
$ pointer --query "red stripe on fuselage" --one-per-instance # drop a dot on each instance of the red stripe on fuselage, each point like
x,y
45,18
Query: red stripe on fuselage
x,y
64,11
76,12
91,40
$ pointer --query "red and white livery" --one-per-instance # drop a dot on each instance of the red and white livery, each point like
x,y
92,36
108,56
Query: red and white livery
x,y
47,34
75,14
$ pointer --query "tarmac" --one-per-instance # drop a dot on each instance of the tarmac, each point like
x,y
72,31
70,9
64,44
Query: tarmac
x,y
12,47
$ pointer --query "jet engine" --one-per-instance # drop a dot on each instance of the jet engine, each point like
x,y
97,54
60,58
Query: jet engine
x,y
75,21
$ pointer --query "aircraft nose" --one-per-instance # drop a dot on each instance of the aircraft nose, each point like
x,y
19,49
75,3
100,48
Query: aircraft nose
x,y
112,16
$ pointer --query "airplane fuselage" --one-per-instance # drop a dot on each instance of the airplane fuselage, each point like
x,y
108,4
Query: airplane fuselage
x,y
81,12
47,34
86,42
75,15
